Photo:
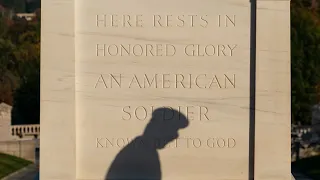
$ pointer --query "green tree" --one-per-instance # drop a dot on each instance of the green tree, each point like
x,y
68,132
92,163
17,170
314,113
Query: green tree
x,y
3,25
7,77
20,69
305,60
33,5
26,102
19,6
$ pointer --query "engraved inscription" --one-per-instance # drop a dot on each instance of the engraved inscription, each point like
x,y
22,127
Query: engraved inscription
x,y
163,20
188,49
209,50
135,50
165,81
114,20
143,113
227,21
138,50
180,142
113,81
180,21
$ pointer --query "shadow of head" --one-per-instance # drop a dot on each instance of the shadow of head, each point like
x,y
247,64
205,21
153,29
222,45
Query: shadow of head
x,y
164,126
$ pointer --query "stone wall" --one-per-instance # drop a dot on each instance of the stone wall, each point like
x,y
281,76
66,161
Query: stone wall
x,y
24,149
23,146
5,123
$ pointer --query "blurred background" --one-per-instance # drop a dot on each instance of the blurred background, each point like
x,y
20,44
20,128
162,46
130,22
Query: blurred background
x,y
20,22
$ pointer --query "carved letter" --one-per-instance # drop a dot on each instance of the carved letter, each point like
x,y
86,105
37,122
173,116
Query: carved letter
x,y
233,21
203,19
164,80
231,143
213,50
168,20
145,113
149,49
135,79
135,50
194,144
116,48
102,49
158,20
114,21
231,49
122,48
114,79
173,50
186,50
101,80
150,83
221,49
188,113
196,81
180,18
139,21
223,143
233,83
123,109
112,143
164,113
192,20
204,114
210,145
126,21
215,80
181,81
98,142
121,140
103,20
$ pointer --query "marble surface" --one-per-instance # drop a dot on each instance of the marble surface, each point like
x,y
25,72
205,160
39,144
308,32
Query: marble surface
x,y
108,68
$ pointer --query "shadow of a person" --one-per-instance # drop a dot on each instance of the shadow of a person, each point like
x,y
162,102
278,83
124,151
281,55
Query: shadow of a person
x,y
139,160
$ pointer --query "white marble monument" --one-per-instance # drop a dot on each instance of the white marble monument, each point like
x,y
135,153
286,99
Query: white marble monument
x,y
159,89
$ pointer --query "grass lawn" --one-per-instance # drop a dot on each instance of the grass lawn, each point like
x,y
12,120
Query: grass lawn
x,y
309,166
10,164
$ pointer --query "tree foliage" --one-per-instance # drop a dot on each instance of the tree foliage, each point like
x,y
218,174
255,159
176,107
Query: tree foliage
x,y
20,68
33,5
305,59
22,6
18,6
7,78
26,102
